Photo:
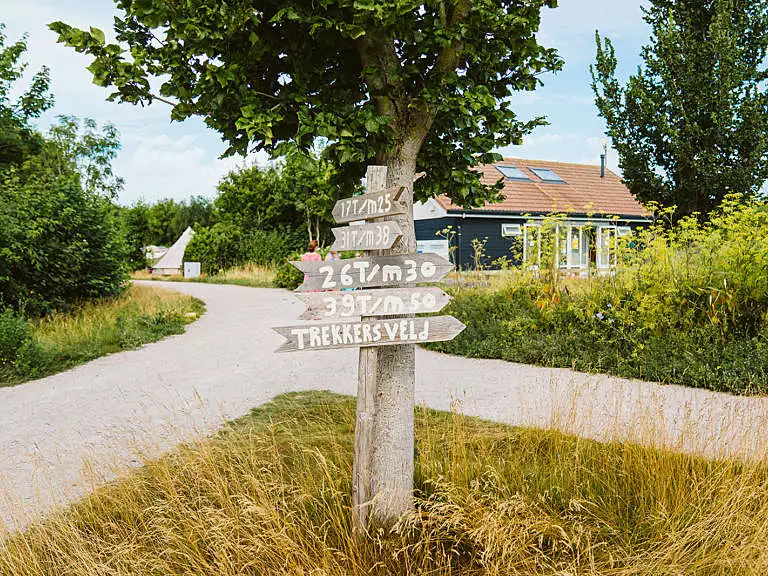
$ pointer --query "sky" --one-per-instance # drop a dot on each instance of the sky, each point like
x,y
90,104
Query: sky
x,y
163,159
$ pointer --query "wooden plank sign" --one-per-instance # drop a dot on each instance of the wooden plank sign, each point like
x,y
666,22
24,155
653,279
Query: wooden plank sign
x,y
376,236
373,272
384,332
382,302
369,206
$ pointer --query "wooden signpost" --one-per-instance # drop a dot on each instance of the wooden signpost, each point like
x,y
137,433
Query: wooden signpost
x,y
382,302
373,272
376,236
345,334
371,205
356,316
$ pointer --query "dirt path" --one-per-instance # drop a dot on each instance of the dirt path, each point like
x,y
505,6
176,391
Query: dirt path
x,y
62,435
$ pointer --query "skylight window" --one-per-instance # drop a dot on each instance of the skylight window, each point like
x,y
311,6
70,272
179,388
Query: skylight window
x,y
547,175
513,173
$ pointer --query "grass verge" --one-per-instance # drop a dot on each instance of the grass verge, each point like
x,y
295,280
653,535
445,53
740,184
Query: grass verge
x,y
270,495
141,315
249,275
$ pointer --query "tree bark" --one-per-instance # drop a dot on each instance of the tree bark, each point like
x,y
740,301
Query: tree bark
x,y
393,429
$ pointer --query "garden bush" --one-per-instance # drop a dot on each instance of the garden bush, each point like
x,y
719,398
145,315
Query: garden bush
x,y
225,245
689,305
15,331
287,275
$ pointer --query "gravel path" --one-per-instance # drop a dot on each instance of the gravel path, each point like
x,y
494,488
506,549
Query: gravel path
x,y
63,435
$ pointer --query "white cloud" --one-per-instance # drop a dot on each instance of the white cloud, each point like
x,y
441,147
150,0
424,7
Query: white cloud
x,y
159,166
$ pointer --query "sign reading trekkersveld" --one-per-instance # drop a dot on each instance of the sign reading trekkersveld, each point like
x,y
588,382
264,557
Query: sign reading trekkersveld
x,y
369,333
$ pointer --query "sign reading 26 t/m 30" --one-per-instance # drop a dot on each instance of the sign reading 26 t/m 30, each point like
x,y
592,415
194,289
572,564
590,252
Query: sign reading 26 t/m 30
x,y
372,272
381,302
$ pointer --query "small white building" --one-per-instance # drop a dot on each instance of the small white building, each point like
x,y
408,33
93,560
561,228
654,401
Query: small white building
x,y
172,262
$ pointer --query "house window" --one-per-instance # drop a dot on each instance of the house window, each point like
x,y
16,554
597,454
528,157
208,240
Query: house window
x,y
513,173
510,230
547,175
623,231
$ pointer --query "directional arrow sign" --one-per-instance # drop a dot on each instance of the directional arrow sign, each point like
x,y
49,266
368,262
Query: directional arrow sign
x,y
384,332
368,206
373,271
382,302
375,236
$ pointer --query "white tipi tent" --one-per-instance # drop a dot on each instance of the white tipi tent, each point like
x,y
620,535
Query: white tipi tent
x,y
173,261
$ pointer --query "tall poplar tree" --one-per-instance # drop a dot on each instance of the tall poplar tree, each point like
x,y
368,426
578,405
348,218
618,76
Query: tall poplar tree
x,y
691,125
413,85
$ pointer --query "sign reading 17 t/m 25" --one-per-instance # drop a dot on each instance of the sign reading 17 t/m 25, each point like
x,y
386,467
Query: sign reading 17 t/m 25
x,y
372,205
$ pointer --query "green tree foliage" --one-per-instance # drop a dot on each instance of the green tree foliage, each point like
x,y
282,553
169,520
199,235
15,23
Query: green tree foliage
x,y
82,143
135,222
298,192
254,197
225,245
59,242
394,81
17,138
691,126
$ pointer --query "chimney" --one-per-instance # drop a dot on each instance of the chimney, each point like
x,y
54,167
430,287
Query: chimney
x,y
603,157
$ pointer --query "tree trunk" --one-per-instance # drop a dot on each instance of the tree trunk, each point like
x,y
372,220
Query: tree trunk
x,y
392,462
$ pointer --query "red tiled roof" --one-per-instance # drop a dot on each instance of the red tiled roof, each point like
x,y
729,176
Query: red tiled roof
x,y
584,191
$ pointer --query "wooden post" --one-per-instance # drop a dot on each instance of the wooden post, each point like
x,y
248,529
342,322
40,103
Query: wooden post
x,y
382,476
376,179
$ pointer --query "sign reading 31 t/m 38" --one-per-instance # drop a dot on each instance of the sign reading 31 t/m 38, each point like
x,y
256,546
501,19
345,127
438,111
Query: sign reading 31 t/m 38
x,y
381,302
371,205
372,272
376,236
387,332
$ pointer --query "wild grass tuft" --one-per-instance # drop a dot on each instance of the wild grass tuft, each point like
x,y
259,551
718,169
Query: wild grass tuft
x,y
270,496
142,314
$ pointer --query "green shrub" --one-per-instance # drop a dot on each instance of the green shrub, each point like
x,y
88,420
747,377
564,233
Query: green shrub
x,y
15,332
690,307
288,276
60,243
225,245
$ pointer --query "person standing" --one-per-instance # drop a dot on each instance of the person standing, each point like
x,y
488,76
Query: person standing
x,y
311,255
332,255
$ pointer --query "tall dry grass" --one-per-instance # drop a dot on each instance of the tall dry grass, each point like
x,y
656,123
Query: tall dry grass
x,y
252,275
142,314
270,495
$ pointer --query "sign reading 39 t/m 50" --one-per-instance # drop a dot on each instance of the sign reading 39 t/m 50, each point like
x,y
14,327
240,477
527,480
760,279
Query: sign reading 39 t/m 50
x,y
381,302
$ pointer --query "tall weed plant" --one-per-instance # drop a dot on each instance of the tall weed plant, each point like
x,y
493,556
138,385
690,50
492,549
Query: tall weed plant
x,y
688,304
